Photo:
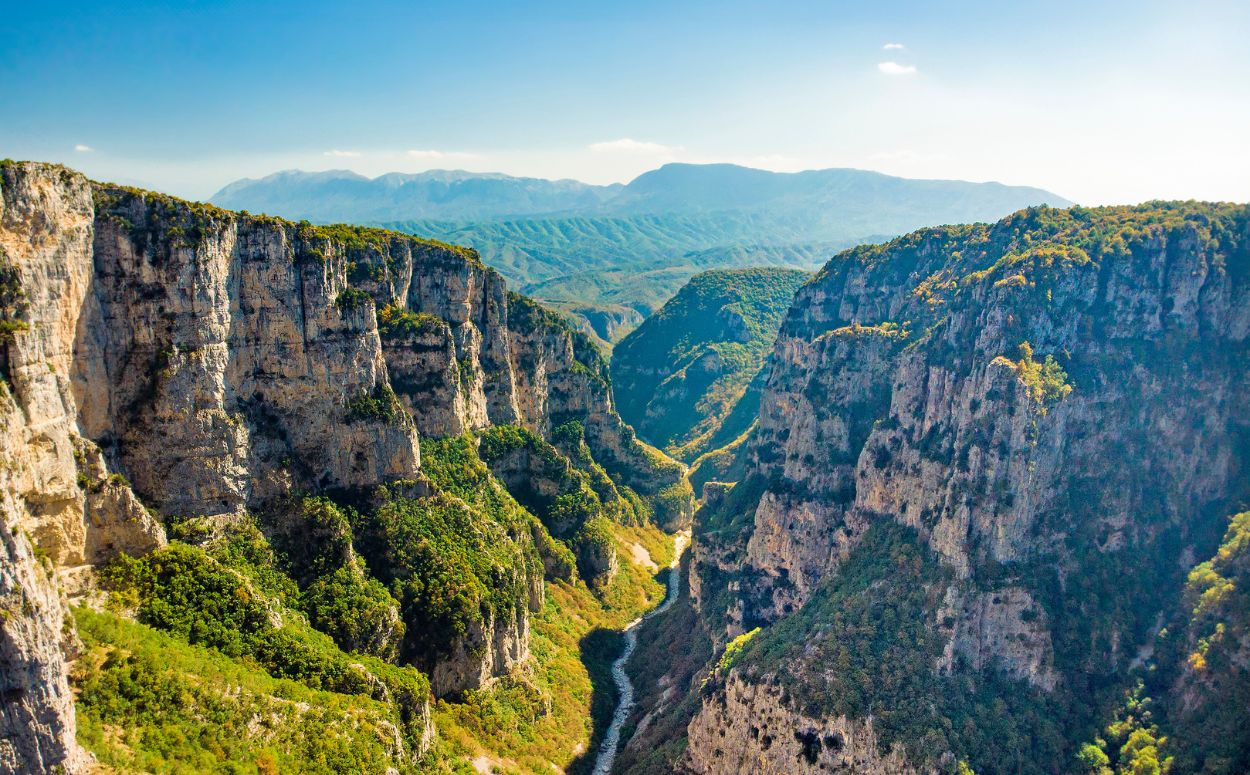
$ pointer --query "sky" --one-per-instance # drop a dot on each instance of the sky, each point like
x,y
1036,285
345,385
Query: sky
x,y
1100,102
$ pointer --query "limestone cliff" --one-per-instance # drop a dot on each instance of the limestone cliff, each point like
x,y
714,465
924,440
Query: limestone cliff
x,y
59,510
1053,405
167,358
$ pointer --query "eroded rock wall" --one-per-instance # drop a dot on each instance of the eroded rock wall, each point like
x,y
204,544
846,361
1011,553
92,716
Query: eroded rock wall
x,y
1043,400
164,357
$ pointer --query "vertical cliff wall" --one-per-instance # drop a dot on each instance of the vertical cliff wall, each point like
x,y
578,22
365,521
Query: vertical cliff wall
x,y
163,359
1053,406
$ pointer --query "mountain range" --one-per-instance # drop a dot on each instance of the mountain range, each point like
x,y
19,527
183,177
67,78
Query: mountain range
x,y
837,200
599,252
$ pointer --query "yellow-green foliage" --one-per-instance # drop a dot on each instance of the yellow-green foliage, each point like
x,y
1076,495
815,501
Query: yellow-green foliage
x,y
1047,382
1031,265
733,650
150,702
395,322
1130,745
1202,661
886,330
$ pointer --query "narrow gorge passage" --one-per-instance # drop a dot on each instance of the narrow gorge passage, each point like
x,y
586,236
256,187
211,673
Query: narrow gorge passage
x,y
612,740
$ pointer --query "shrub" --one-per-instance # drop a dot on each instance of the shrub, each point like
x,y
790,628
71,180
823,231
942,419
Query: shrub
x,y
351,299
356,611
395,322
380,405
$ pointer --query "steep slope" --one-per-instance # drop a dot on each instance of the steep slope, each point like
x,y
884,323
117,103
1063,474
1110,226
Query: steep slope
x,y
986,458
176,367
685,373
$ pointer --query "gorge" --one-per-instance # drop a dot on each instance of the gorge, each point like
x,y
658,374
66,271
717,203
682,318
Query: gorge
x,y
285,497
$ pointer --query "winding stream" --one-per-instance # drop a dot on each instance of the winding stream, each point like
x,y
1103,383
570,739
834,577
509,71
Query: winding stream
x,y
612,740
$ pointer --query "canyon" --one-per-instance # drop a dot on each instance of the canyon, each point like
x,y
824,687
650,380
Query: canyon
x,y
969,500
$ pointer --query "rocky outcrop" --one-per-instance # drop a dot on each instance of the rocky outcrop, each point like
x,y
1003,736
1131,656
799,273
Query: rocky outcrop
x,y
1049,402
37,722
747,728
163,358
490,648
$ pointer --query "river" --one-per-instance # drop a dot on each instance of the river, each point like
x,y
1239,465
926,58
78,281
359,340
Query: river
x,y
612,741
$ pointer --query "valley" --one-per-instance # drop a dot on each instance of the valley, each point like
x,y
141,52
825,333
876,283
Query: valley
x,y
647,388
284,496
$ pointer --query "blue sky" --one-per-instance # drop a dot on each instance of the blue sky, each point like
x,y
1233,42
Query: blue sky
x,y
1100,102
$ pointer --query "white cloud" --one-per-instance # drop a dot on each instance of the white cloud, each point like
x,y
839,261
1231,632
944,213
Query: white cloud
x,y
342,154
431,154
893,47
83,148
894,68
626,145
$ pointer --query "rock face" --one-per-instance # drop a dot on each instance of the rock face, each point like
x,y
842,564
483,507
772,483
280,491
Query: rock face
x,y
157,353
1054,404
225,346
56,498
749,730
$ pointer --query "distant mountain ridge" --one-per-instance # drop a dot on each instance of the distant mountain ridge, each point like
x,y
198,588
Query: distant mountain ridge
x,y
596,252
440,194
676,188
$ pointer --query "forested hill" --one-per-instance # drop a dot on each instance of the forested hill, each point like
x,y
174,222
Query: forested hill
x,y
685,377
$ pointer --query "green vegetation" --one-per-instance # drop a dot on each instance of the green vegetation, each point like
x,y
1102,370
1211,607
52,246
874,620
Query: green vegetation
x,y
395,322
864,646
148,701
351,300
232,601
381,405
542,479
356,611
1047,382
683,378
733,651
449,565
1131,744
223,633
13,304
554,718
1199,674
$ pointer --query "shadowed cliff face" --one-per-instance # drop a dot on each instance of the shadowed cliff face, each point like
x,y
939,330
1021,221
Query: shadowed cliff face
x,y
1053,411
201,362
